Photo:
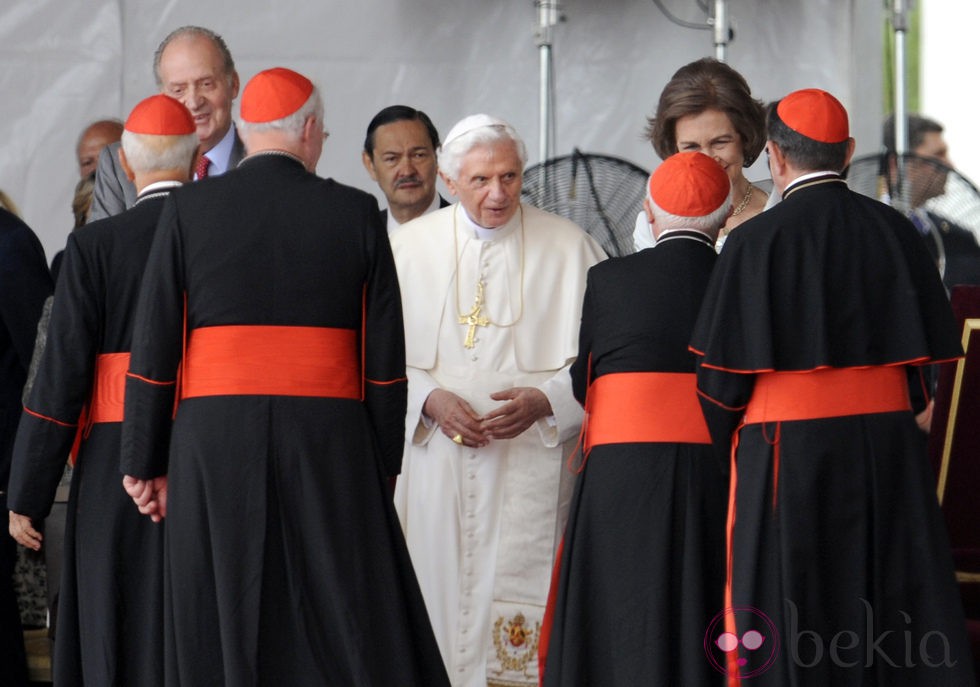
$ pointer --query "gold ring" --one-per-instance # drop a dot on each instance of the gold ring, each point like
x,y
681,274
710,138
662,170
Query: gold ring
x,y
458,439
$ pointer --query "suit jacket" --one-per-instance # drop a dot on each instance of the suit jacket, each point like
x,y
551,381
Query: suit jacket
x,y
384,213
114,193
24,284
959,247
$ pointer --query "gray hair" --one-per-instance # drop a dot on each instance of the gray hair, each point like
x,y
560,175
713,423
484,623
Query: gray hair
x,y
153,153
292,124
198,31
450,155
706,224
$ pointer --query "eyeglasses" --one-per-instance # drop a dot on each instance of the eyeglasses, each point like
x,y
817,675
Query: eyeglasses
x,y
326,134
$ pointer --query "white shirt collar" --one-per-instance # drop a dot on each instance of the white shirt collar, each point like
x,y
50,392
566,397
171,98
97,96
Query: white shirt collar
x,y
221,153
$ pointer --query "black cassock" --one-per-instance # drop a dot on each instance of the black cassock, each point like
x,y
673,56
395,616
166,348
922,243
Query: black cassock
x,y
110,622
284,559
111,595
840,568
641,572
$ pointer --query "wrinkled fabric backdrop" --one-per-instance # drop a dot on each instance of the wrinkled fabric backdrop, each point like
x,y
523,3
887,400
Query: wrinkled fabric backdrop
x,y
64,64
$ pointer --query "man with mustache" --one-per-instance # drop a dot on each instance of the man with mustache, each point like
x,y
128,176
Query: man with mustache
x,y
400,154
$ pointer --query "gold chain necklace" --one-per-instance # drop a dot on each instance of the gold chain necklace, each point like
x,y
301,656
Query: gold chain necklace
x,y
745,201
474,318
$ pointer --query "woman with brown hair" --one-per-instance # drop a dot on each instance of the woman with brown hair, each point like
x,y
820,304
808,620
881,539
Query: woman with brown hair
x,y
707,106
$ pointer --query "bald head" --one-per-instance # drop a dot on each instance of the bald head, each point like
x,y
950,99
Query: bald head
x,y
94,138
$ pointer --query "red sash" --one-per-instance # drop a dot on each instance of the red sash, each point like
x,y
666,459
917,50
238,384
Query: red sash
x,y
106,404
810,395
639,407
106,401
237,360
829,392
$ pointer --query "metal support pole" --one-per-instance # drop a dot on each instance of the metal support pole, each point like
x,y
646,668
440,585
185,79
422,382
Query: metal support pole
x,y
899,21
899,18
547,17
721,29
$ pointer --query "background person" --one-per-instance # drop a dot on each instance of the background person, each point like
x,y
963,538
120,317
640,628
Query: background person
x,y
400,155
24,284
924,181
92,140
708,107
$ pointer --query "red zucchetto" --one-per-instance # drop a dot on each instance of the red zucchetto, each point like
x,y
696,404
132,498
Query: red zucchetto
x,y
274,94
160,115
689,184
815,114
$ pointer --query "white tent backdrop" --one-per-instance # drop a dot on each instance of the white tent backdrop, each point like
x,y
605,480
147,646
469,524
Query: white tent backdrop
x,y
64,64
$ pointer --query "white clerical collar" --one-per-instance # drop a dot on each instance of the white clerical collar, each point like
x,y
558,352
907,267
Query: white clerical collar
x,y
394,223
159,186
483,233
684,233
809,176
156,189
221,153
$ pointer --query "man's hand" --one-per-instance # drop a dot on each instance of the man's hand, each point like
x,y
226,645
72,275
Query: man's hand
x,y
22,529
527,405
924,419
455,417
150,495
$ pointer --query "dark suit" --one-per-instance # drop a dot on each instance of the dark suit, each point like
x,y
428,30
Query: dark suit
x,y
110,623
384,213
114,193
322,585
24,284
960,247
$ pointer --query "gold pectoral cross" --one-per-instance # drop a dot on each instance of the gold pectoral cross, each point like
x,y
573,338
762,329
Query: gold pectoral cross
x,y
473,318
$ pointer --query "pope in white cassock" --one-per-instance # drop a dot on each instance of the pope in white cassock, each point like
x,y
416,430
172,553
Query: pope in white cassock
x,y
492,296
